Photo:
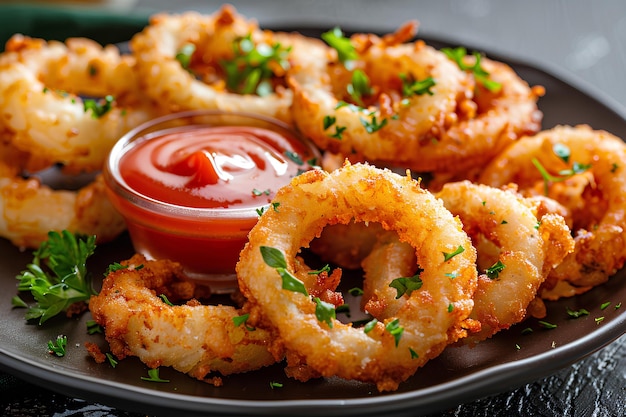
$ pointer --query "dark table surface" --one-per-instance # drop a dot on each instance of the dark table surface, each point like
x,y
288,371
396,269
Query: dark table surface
x,y
580,41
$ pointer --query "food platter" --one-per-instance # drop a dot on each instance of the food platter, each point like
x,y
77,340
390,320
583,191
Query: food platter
x,y
460,374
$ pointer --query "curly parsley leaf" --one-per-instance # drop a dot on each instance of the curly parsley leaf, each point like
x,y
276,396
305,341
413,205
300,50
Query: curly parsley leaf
x,y
58,276
325,311
98,107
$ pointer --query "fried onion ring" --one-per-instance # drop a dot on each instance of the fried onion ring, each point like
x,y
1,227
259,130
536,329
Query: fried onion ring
x,y
362,193
589,180
42,109
29,209
516,251
319,90
192,338
213,37
456,125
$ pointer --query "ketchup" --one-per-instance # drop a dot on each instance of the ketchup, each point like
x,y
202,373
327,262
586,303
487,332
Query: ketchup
x,y
192,193
213,167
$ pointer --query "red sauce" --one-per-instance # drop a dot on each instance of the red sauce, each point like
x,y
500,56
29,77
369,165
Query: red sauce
x,y
212,167
211,173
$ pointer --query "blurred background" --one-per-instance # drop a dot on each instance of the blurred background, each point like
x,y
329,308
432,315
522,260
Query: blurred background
x,y
580,41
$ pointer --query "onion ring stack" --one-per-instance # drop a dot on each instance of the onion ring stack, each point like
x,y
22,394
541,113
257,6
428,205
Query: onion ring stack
x,y
431,318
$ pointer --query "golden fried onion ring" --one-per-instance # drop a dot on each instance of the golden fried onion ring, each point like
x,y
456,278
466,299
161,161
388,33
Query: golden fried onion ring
x,y
407,124
432,317
29,209
526,250
213,37
192,338
41,109
460,125
593,194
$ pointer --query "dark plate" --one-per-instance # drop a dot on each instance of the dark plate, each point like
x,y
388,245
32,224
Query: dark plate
x,y
460,374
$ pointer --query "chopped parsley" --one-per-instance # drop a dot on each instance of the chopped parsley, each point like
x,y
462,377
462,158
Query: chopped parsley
x,y
449,255
57,347
406,285
494,270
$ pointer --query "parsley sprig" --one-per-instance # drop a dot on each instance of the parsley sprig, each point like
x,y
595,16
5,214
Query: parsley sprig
x,y
57,276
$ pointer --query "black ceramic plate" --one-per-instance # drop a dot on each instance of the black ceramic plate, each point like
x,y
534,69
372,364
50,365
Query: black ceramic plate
x,y
460,374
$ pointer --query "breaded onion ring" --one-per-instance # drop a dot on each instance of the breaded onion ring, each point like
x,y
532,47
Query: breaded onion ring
x,y
41,109
192,338
516,251
390,129
454,125
431,317
213,39
584,171
30,209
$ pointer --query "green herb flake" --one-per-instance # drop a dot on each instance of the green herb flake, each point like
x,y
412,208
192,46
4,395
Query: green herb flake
x,y
369,326
599,319
111,359
98,107
274,384
57,347
447,256
329,121
324,311
336,40
526,330
414,354
359,86
355,292
577,313
493,272
412,87
153,376
256,192
406,285
547,325
450,307
325,268
239,320
184,54
394,328
93,327
294,157
165,299
603,306
480,74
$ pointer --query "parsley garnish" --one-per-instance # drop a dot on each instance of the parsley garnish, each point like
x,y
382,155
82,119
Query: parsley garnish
x,y
294,157
324,311
274,384
369,326
494,270
165,299
547,325
111,360
153,376
58,346
57,276
411,87
184,55
563,152
359,86
577,313
98,107
274,258
253,66
449,255
406,285
482,76
345,50
394,328
93,327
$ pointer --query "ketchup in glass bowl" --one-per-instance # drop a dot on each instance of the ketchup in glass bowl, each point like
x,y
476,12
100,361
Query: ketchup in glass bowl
x,y
191,185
